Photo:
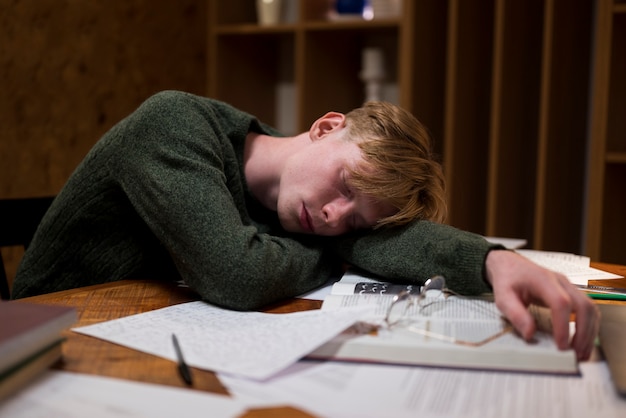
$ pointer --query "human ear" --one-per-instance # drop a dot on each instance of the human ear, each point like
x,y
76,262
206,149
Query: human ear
x,y
330,122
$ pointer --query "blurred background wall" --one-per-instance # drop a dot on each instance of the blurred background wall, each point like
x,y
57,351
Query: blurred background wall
x,y
70,69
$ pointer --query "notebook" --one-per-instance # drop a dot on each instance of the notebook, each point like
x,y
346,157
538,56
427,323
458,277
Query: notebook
x,y
613,343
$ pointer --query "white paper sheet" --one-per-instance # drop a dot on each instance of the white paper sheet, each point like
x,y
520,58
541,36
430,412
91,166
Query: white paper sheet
x,y
343,390
575,267
510,243
72,395
251,344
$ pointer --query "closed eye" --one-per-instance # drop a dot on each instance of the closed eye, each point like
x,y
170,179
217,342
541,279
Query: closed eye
x,y
347,190
353,223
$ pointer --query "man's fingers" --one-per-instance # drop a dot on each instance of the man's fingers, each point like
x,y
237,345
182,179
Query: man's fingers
x,y
587,324
517,282
560,324
517,314
564,300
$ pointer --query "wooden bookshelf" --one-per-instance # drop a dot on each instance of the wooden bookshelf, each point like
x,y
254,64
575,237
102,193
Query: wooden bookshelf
x,y
514,118
503,86
606,189
316,58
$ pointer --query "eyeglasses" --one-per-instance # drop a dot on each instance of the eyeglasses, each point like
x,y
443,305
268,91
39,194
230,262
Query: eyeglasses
x,y
426,312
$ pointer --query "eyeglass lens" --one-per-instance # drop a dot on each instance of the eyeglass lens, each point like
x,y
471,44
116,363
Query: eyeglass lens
x,y
398,308
402,301
475,334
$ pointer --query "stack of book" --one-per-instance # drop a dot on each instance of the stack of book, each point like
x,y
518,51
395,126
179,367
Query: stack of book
x,y
30,341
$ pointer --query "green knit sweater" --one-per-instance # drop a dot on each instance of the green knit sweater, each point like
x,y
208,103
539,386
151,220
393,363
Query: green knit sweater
x,y
163,195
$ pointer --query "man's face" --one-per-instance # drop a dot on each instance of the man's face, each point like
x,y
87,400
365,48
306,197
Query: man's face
x,y
314,195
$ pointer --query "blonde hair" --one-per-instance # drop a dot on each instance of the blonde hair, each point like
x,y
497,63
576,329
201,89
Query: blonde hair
x,y
398,149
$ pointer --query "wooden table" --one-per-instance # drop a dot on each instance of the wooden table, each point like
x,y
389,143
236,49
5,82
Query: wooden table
x,y
99,303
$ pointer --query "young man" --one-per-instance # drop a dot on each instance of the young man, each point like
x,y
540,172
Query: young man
x,y
188,187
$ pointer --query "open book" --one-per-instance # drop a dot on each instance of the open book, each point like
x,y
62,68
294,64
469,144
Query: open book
x,y
455,332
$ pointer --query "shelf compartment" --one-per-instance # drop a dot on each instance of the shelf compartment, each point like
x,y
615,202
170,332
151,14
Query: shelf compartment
x,y
331,67
423,65
467,112
613,225
563,126
251,81
514,118
616,122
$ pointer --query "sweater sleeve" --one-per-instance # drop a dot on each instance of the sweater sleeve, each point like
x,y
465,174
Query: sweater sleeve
x,y
418,251
177,176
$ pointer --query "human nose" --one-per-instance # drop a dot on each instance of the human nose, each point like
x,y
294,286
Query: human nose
x,y
337,212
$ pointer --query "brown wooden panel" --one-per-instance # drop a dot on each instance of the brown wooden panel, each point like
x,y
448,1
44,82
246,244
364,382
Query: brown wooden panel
x,y
70,70
563,140
514,118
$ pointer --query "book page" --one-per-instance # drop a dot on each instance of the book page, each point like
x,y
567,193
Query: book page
x,y
340,389
575,267
437,319
471,320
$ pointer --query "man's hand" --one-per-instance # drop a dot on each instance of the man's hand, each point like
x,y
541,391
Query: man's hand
x,y
518,282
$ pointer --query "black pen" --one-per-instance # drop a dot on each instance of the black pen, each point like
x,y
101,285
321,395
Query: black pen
x,y
183,369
